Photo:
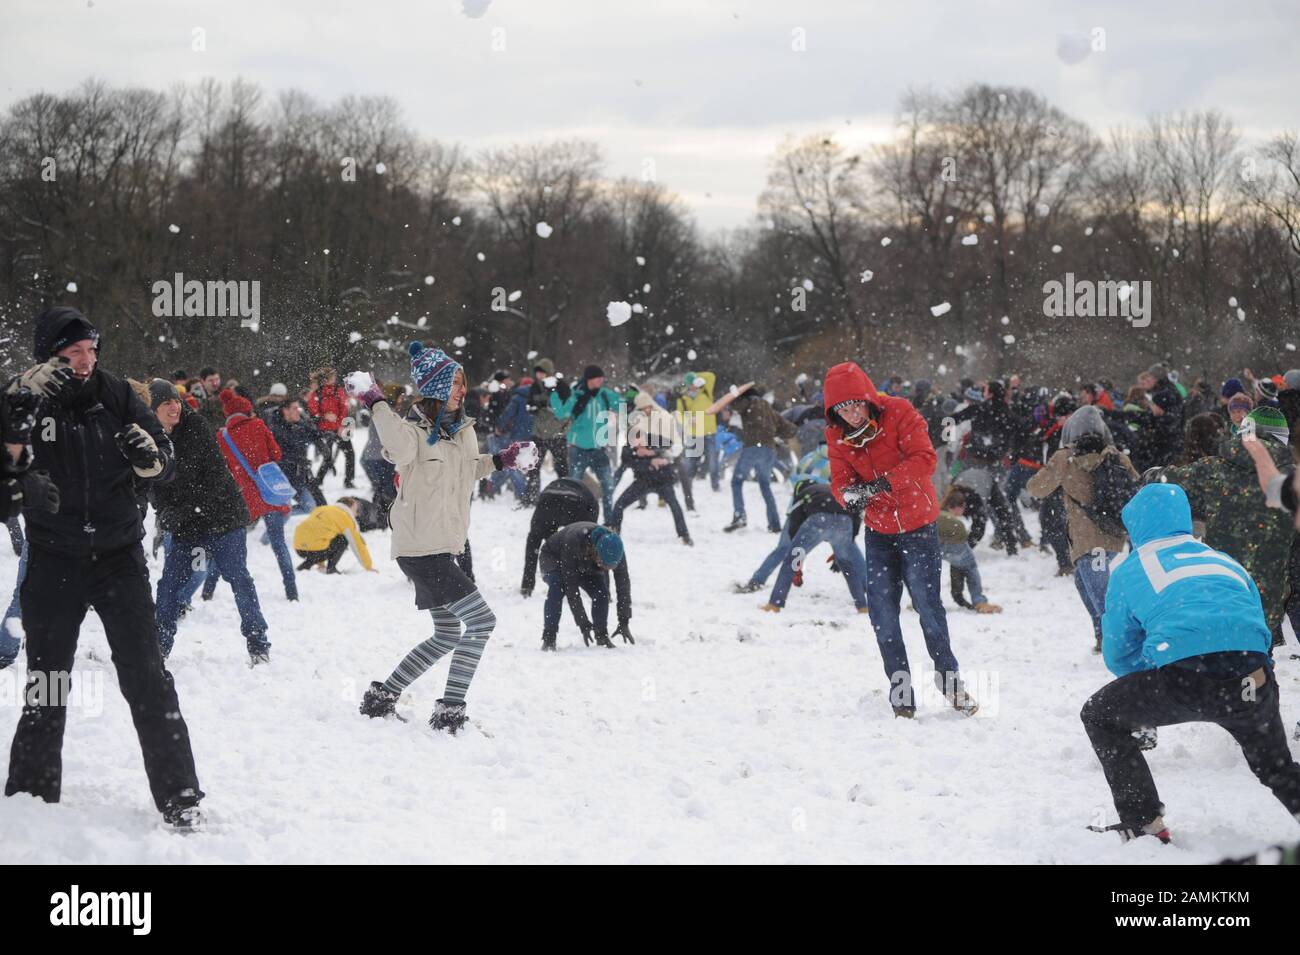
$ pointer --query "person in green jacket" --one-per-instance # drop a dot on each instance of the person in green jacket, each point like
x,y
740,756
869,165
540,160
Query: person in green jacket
x,y
588,407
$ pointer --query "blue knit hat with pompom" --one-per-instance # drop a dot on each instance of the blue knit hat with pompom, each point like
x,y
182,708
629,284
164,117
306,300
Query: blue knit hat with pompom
x,y
432,371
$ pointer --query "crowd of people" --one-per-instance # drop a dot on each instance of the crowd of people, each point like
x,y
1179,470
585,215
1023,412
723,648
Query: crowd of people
x,y
1172,507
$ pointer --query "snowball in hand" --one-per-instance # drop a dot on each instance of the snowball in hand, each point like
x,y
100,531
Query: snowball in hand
x,y
527,458
358,382
618,313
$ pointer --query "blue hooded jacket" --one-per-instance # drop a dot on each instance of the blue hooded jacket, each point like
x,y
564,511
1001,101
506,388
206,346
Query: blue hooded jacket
x,y
516,422
1173,597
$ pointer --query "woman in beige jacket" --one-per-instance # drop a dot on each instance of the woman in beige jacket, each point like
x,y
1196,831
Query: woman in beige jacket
x,y
438,463
1085,443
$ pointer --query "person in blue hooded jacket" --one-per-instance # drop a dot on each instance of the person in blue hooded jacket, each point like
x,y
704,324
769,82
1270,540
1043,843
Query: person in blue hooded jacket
x,y
1184,632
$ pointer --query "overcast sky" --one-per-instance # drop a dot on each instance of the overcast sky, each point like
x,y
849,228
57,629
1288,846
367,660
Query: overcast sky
x,y
705,89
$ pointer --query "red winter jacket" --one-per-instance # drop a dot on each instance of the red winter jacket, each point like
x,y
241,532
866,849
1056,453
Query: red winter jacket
x,y
258,446
902,454
328,399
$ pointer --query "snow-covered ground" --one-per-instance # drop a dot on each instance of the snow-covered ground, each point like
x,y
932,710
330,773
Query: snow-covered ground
x,y
724,735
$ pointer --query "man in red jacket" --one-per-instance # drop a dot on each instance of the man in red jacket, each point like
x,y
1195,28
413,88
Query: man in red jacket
x,y
329,406
882,465
255,442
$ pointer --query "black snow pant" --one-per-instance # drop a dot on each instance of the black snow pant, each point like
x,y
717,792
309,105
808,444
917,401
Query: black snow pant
x,y
637,491
558,448
55,596
1173,694
328,446
553,511
330,556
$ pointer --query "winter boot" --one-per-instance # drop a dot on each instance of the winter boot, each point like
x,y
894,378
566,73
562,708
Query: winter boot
x,y
985,607
602,640
259,652
737,522
379,701
749,587
1146,737
905,712
954,691
183,814
686,539
448,715
548,643
1127,832
770,608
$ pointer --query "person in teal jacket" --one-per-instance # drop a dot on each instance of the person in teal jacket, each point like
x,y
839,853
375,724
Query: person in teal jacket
x,y
593,409
1184,632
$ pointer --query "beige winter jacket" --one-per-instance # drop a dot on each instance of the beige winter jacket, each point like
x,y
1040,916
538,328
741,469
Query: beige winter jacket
x,y
1074,476
431,513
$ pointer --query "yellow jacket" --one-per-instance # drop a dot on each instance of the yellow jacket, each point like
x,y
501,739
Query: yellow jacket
x,y
690,411
326,523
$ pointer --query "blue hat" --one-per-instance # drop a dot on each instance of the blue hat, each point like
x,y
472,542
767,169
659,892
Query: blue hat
x,y
432,371
974,394
1231,387
609,546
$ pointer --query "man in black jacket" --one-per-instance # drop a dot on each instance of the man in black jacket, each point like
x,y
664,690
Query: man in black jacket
x,y
995,431
1167,408
564,501
580,557
205,514
96,439
295,432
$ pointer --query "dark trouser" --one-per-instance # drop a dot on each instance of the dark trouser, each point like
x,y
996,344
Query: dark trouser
x,y
835,529
683,465
596,587
912,559
330,556
1052,519
381,474
558,449
1172,695
1009,528
553,512
637,491
328,447
57,592
224,554
304,482
1293,579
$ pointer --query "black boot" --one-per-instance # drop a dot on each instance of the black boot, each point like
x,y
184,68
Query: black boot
x,y
448,715
749,587
183,814
548,643
737,522
958,585
379,701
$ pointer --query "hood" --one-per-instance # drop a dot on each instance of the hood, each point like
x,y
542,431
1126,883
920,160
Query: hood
x,y
51,326
546,365
1086,420
1157,510
522,390
643,400
847,382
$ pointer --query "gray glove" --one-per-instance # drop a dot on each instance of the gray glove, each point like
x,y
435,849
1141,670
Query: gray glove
x,y
141,450
50,379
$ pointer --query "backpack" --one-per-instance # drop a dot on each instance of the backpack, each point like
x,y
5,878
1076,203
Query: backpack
x,y
1112,488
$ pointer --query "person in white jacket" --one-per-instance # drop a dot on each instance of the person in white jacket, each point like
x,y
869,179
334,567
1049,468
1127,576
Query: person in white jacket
x,y
438,463
653,446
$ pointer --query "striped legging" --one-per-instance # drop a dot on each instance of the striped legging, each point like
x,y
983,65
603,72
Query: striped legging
x,y
465,648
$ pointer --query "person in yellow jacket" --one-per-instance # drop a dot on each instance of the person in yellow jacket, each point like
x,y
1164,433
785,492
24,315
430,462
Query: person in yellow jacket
x,y
326,533
699,430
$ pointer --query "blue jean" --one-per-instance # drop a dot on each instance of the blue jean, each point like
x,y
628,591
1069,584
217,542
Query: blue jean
x,y
197,578
759,462
595,459
597,589
910,559
712,461
963,558
773,560
1017,477
837,530
228,555
275,521
1091,583
9,644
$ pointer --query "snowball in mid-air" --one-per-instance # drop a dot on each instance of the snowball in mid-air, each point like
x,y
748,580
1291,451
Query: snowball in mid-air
x,y
646,287
459,341
886,240
668,330
638,307
1006,319
618,313
867,275
544,230
943,308
1088,231
807,284
1009,339
481,257
380,168
690,356
72,286
514,296
1232,302
354,337
1056,250
1241,314
428,280
640,260
173,228
455,220
532,355
971,239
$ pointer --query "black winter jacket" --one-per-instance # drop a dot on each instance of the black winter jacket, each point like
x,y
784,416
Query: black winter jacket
x,y
569,552
75,440
813,497
203,499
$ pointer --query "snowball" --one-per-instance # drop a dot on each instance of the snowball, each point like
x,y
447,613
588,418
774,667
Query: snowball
x,y
459,341
422,321
801,378
690,356
1009,339
867,275
646,287
494,387
1290,346
886,240
481,257
1232,302
527,458
173,228
971,239
455,220
354,337
1006,319
428,280
358,382
532,355
1124,292
1042,208
326,251
550,381
941,309
618,313
1241,314
1088,231
514,296
638,308
942,369
544,230
1056,250
807,284
72,286
640,260
380,168
668,330
947,219
1176,253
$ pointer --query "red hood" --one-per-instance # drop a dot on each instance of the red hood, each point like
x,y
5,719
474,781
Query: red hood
x,y
847,382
